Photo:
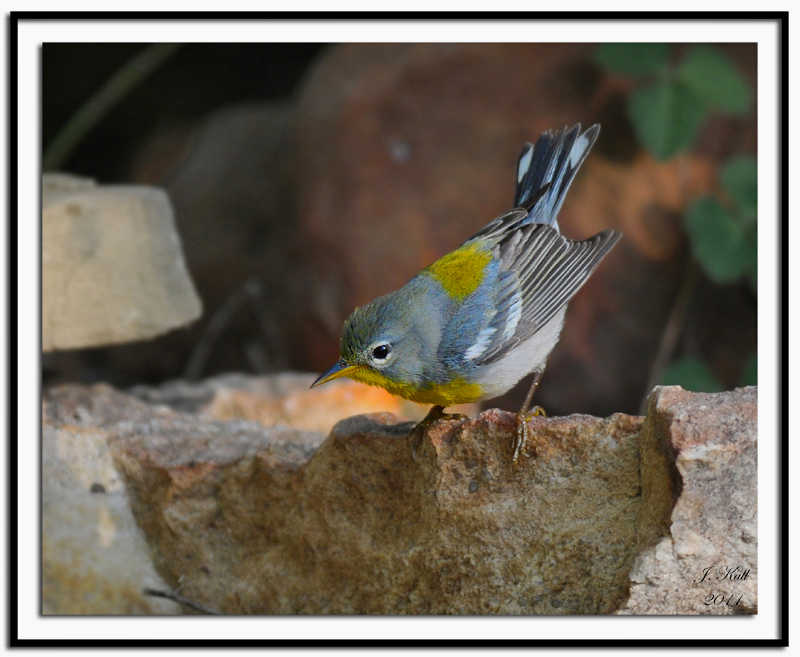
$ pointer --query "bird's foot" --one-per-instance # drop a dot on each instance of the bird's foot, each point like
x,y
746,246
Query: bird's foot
x,y
521,429
417,434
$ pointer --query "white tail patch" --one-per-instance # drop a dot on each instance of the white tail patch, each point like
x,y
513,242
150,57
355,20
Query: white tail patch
x,y
578,149
524,163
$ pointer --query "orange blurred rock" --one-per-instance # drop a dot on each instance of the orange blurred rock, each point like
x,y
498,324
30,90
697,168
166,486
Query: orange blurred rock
x,y
645,199
335,401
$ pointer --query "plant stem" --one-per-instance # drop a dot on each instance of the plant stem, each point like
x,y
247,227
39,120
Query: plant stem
x,y
93,110
171,595
672,331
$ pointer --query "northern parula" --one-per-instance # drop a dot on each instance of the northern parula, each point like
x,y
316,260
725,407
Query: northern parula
x,y
476,321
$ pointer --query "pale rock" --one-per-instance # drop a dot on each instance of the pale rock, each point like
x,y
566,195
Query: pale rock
x,y
713,524
95,559
112,265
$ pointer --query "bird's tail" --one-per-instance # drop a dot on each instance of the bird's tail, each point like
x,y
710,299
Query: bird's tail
x,y
545,171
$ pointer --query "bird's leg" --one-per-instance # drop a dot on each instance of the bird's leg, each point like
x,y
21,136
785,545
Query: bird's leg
x,y
417,434
521,419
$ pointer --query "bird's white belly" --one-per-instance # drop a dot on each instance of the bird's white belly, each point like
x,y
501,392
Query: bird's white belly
x,y
530,356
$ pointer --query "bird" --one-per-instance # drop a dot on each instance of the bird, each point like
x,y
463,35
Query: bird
x,y
472,324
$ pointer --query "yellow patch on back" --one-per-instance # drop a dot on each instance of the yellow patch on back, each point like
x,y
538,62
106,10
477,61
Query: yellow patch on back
x,y
461,271
455,392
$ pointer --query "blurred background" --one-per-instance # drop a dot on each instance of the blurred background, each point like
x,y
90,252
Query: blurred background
x,y
307,179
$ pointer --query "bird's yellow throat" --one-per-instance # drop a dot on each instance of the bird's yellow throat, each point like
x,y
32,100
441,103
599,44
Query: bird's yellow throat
x,y
457,391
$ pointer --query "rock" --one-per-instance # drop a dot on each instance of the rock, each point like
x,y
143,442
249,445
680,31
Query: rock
x,y
709,562
227,178
95,560
65,182
615,515
361,528
283,399
94,557
112,267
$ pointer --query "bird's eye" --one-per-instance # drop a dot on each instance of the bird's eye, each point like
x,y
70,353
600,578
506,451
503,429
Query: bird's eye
x,y
381,351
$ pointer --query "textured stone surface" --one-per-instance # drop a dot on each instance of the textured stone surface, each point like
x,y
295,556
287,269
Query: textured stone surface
x,y
95,560
112,266
361,528
601,516
94,557
715,520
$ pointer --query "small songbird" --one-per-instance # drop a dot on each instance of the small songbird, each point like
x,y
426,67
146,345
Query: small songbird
x,y
476,321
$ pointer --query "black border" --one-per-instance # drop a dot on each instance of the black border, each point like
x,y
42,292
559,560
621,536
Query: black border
x,y
781,17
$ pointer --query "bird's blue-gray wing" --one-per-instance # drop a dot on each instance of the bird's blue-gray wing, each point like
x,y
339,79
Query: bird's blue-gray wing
x,y
537,270
540,270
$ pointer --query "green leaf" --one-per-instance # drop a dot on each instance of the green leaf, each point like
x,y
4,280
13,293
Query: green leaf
x,y
633,58
718,241
691,374
714,79
739,177
750,372
666,117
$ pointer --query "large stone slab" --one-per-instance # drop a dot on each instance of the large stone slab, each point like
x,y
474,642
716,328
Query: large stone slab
x,y
614,515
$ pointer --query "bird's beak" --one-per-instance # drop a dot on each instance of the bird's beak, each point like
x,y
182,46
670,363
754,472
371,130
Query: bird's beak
x,y
339,370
